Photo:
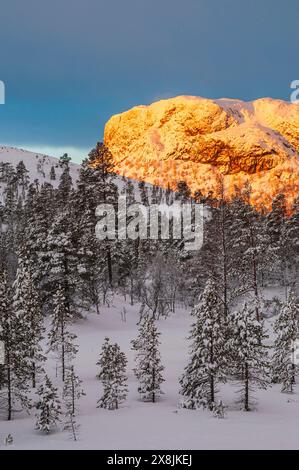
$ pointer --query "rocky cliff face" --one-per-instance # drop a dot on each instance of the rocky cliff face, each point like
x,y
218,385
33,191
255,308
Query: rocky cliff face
x,y
202,141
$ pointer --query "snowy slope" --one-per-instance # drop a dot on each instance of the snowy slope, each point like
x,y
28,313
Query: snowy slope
x,y
38,165
138,425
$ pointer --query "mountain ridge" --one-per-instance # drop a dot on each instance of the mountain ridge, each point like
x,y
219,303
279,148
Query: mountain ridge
x,y
200,141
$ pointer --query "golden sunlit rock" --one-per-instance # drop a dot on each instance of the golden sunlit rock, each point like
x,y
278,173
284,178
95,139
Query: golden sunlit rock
x,y
196,140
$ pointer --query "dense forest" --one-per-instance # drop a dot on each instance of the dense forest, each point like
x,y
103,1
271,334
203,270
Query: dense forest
x,y
53,266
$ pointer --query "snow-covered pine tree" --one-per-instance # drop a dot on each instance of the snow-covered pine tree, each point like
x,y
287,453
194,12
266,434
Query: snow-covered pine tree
x,y
250,363
286,327
112,374
38,216
208,353
143,191
91,261
119,387
60,257
102,165
26,306
22,177
60,339
291,235
72,392
149,368
48,407
276,228
250,243
221,248
183,192
15,371
52,173
10,218
104,360
65,182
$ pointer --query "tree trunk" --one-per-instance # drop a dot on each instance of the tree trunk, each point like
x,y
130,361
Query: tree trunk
x,y
62,349
33,374
246,383
73,392
9,394
109,265
153,384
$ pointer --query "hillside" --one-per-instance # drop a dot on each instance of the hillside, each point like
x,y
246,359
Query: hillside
x,y
38,165
203,141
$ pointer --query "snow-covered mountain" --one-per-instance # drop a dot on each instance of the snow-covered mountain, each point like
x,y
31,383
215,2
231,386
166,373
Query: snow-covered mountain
x,y
202,141
38,165
39,168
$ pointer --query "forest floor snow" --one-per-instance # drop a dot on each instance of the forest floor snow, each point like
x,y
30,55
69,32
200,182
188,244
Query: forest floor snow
x,y
274,424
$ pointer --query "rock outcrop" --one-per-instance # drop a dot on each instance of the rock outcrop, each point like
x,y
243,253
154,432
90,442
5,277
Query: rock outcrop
x,y
202,141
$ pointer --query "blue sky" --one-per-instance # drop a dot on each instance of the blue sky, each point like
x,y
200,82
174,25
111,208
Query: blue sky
x,y
69,65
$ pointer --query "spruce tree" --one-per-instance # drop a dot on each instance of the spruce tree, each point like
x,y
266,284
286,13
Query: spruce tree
x,y
291,236
250,362
27,306
143,191
48,407
112,374
61,340
65,182
52,173
72,392
208,355
101,163
149,368
250,243
276,229
16,368
286,328
60,258
22,177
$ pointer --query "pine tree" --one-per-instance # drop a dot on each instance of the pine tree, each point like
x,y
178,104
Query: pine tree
x,y
22,176
72,392
291,237
27,306
65,182
15,370
95,257
48,407
61,259
249,354
250,243
38,216
286,328
112,374
143,193
219,244
91,260
183,192
149,368
52,173
101,162
208,357
276,229
60,339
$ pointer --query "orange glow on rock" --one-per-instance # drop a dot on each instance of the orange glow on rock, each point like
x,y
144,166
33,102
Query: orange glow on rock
x,y
198,141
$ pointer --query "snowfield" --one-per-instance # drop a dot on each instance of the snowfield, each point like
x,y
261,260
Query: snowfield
x,y
37,164
163,425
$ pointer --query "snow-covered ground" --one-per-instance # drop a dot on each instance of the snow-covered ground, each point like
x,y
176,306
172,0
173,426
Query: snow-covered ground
x,y
163,425
38,165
